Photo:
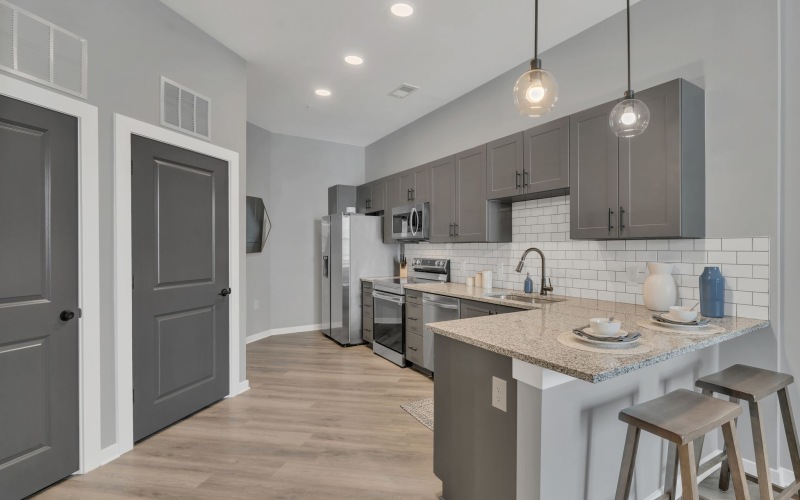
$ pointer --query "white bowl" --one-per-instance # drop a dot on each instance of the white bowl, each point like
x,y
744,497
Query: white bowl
x,y
682,313
602,327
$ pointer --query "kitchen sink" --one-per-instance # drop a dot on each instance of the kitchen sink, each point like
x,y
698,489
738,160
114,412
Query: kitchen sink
x,y
525,298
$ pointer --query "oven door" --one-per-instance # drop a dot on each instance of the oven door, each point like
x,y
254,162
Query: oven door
x,y
388,314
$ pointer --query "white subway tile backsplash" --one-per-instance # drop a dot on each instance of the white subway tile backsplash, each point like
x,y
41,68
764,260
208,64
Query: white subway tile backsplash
x,y
610,270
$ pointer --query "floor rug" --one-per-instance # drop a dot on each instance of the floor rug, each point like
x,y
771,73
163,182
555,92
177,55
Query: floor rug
x,y
422,410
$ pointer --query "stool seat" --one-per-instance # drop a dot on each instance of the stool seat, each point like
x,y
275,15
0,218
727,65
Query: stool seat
x,y
681,416
744,382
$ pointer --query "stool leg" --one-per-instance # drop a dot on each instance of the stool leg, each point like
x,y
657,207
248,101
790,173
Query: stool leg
x,y
791,431
762,464
725,470
671,480
688,472
735,462
628,463
698,443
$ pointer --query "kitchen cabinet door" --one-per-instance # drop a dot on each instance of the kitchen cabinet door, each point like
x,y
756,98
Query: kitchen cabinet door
x,y
377,197
594,165
473,309
422,184
362,198
405,187
546,157
443,200
661,176
504,166
471,195
393,199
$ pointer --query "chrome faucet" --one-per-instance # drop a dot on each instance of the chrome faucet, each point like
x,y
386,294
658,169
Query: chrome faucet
x,y
543,289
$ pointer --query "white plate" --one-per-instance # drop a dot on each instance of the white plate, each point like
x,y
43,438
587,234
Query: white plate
x,y
682,325
591,331
606,344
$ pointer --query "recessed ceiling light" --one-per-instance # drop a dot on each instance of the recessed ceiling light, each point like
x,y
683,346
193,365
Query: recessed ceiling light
x,y
323,92
402,9
354,60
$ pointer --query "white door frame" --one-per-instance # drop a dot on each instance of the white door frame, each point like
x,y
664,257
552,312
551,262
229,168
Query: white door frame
x,y
124,127
88,256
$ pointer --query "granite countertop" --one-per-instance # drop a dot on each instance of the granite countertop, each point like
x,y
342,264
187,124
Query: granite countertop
x,y
530,335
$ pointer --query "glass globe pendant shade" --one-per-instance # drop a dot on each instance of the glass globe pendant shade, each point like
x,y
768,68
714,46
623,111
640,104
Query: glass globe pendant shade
x,y
535,92
629,117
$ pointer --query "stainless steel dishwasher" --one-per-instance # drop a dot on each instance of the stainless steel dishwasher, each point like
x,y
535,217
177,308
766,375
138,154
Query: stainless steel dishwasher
x,y
436,308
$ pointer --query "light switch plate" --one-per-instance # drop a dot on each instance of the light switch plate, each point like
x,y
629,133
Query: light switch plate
x,y
499,393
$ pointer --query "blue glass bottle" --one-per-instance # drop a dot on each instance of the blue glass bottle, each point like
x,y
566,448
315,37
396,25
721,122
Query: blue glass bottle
x,y
528,284
712,293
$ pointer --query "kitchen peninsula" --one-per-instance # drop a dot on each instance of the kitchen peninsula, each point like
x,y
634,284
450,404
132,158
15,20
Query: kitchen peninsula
x,y
558,435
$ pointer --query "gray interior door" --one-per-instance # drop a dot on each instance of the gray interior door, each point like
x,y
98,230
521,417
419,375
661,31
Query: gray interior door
x,y
38,282
594,175
180,273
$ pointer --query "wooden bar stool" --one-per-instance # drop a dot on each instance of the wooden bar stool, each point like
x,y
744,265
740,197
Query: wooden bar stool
x,y
680,417
742,382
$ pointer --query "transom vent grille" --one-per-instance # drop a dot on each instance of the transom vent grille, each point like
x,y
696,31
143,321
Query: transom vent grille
x,y
184,109
38,50
403,91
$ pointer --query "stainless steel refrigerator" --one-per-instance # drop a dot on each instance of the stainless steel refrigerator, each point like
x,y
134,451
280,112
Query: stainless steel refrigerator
x,y
352,248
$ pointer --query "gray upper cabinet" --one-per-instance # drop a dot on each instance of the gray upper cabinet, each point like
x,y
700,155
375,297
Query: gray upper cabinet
x,y
443,200
371,197
594,165
406,186
649,186
662,171
415,184
504,163
363,194
393,199
546,157
470,220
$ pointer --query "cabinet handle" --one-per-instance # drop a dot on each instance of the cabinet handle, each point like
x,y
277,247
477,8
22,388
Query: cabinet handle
x,y
525,176
455,227
408,195
413,348
518,176
412,319
451,230
610,224
621,214
413,194
368,200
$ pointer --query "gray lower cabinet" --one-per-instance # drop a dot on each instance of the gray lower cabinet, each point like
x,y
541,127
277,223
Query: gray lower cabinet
x,y
475,309
504,166
473,464
414,331
367,312
649,186
546,157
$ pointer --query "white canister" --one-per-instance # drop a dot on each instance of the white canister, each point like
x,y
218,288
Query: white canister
x,y
470,282
478,280
487,280
659,291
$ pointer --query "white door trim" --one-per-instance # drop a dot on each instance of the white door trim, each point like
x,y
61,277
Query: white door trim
x,y
123,128
88,260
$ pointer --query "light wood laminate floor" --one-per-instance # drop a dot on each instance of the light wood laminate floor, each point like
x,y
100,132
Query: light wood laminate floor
x,y
319,421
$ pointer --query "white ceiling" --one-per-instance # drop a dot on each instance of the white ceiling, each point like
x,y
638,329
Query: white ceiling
x,y
447,48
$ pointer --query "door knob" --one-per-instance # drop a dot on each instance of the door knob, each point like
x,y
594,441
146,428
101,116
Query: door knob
x,y
66,315
225,291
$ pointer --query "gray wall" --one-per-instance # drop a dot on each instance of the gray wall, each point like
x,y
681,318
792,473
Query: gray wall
x,y
292,175
131,44
716,44
790,238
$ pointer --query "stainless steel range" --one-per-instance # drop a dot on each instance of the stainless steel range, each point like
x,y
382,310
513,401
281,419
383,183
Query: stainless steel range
x,y
389,306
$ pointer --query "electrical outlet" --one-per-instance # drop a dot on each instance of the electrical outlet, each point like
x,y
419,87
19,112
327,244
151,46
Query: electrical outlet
x,y
256,304
499,393
635,274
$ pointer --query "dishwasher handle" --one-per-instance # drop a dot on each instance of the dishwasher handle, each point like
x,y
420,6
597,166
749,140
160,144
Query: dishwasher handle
x,y
440,305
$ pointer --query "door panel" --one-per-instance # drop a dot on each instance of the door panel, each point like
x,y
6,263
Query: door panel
x,y
180,267
422,185
471,195
594,179
504,167
405,185
39,430
443,199
650,169
547,157
395,197
325,293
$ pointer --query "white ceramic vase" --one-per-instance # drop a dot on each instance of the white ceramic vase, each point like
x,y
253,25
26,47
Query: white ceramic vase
x,y
660,290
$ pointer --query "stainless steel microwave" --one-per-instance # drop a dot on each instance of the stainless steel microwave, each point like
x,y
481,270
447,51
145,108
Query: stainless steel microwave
x,y
411,222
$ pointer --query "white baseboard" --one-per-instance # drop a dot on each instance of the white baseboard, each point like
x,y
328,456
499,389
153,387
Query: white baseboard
x,y
782,477
282,331
659,492
109,454
243,386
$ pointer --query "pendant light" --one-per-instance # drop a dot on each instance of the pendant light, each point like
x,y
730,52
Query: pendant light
x,y
630,116
536,91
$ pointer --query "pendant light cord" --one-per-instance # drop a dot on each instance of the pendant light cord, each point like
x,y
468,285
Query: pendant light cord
x,y
628,10
536,30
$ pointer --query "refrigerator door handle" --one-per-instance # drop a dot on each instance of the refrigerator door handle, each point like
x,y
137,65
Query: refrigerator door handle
x,y
325,266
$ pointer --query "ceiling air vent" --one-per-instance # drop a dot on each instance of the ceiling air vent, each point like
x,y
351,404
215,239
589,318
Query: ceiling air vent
x,y
184,109
38,50
403,91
